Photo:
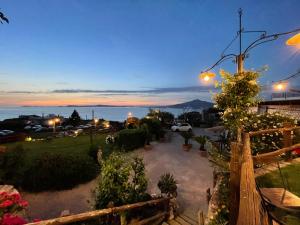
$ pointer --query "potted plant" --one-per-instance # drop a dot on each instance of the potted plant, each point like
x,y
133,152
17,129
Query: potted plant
x,y
167,185
202,141
187,135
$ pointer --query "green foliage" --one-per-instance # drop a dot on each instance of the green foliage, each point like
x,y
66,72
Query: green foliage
x,y
139,183
11,165
165,117
55,172
130,139
265,142
187,135
121,182
167,185
222,214
201,140
93,151
194,118
74,118
238,93
154,126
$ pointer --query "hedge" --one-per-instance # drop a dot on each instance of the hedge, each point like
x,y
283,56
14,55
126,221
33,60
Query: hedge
x,y
130,139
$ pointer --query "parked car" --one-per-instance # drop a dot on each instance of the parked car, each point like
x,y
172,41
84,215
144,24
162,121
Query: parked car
x,y
7,132
182,127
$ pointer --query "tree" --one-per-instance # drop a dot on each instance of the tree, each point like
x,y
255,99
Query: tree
x,y
75,118
194,118
163,117
238,93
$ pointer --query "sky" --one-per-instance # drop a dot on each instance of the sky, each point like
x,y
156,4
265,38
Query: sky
x,y
133,52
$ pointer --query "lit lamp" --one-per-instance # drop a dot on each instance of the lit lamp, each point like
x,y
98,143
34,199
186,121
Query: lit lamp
x,y
129,115
96,121
280,86
53,123
295,40
207,76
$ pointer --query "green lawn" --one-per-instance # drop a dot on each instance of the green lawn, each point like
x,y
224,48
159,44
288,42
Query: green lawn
x,y
67,163
292,174
64,145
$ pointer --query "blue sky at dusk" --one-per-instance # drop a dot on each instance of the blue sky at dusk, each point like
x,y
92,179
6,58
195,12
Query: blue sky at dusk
x,y
132,52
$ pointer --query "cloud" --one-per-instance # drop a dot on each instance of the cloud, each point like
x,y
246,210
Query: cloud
x,y
149,91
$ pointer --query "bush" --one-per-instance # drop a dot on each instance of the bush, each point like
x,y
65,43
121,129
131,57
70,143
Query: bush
x,y
265,142
167,185
93,151
130,139
11,165
194,118
122,182
154,126
57,171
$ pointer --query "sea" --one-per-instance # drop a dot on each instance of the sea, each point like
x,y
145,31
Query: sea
x,y
107,113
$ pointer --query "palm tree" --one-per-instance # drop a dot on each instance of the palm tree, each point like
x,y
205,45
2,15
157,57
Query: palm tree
x,y
3,18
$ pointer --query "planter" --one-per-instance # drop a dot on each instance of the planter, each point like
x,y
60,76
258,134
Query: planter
x,y
187,147
148,147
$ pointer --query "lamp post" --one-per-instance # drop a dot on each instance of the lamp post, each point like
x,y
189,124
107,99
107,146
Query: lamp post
x,y
53,122
206,75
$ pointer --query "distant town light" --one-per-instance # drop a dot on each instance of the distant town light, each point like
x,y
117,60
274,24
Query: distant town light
x,y
129,115
96,120
295,40
57,120
51,122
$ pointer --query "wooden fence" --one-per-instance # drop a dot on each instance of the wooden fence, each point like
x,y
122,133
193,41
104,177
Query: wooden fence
x,y
246,203
120,211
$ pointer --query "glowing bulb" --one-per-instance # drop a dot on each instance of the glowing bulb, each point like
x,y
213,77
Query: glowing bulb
x,y
96,120
56,120
129,115
50,122
206,78
280,86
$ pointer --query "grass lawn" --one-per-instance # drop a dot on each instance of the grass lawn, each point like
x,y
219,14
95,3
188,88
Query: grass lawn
x,y
292,174
64,145
56,164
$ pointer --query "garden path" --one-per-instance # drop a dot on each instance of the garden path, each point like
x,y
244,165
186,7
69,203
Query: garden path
x,y
192,172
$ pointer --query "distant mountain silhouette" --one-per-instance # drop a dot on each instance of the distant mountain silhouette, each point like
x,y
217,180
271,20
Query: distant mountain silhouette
x,y
194,104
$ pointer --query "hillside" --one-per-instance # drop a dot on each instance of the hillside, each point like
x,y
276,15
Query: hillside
x,y
194,104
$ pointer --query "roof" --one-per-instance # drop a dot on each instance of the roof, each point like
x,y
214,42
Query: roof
x,y
281,102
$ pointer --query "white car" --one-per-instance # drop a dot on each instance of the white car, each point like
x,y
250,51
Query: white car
x,y
182,127
7,132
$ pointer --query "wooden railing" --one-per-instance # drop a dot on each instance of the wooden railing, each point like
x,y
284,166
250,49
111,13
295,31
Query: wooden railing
x,y
246,203
97,214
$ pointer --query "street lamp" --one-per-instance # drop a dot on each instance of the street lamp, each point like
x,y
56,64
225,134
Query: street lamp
x,y
240,57
53,123
295,40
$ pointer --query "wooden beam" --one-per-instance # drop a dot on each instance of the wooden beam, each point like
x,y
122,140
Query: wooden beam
x,y
97,213
253,133
271,156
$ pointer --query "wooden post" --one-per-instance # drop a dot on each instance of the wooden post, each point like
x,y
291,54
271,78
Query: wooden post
x,y
123,218
251,211
287,139
234,182
201,217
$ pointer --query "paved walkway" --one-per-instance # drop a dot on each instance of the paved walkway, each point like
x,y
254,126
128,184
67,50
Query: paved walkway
x,y
192,172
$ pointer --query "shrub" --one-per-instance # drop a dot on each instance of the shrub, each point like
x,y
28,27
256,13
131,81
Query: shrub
x,y
121,182
130,139
57,171
201,140
266,142
93,151
194,118
167,185
11,164
154,126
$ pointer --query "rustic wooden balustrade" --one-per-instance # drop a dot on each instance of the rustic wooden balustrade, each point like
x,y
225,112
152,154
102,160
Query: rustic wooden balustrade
x,y
246,203
86,216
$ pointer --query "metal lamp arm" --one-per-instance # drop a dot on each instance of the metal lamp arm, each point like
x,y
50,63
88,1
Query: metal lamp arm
x,y
222,59
268,38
